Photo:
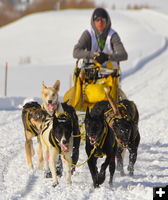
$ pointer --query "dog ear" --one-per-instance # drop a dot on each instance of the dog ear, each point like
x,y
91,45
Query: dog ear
x,y
43,86
56,85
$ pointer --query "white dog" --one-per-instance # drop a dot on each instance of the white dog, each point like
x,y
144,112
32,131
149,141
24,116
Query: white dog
x,y
50,97
56,138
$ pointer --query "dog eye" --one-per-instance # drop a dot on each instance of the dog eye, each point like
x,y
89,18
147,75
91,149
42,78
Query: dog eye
x,y
116,120
45,94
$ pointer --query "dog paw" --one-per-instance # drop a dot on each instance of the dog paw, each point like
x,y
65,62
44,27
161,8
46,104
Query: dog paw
x,y
72,170
119,167
96,185
122,173
54,184
131,173
101,177
69,182
31,167
111,183
59,171
131,170
47,174
39,166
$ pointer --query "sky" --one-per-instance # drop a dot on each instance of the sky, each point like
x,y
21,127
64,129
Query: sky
x,y
39,48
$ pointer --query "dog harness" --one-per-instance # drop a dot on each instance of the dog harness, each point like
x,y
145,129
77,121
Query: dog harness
x,y
99,145
54,142
123,113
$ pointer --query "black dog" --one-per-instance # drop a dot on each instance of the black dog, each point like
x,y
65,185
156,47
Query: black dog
x,y
100,140
76,133
127,132
61,136
125,127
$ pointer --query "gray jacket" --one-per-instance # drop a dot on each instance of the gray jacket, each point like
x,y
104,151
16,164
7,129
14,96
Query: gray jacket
x,y
83,48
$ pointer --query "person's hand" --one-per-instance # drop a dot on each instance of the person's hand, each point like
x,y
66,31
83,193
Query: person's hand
x,y
101,58
95,54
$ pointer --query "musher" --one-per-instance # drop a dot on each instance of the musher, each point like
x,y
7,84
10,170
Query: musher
x,y
101,42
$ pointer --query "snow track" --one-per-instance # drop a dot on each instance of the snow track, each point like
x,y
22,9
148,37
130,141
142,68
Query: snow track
x,y
142,62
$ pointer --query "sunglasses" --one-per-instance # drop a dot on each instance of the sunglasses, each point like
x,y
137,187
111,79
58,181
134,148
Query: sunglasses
x,y
100,19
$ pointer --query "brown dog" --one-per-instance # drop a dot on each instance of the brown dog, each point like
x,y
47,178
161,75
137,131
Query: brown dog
x,y
50,98
32,117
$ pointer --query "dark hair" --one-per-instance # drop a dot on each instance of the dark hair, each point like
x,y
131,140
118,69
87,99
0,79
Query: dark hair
x,y
99,12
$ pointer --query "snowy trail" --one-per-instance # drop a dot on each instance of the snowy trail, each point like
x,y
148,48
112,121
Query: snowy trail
x,y
141,63
148,87
147,20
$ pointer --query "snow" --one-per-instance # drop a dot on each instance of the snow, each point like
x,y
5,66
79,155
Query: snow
x,y
160,5
47,39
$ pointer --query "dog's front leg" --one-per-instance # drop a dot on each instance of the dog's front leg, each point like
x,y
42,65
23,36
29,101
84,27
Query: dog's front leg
x,y
112,169
92,162
132,160
68,167
45,159
120,167
75,152
133,148
40,154
102,173
52,163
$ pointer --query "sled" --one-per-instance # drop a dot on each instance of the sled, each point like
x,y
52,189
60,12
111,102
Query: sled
x,y
89,83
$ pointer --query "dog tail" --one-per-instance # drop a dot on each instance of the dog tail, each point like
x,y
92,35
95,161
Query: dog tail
x,y
32,104
114,107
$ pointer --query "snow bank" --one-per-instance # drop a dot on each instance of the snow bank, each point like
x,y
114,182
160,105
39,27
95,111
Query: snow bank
x,y
14,103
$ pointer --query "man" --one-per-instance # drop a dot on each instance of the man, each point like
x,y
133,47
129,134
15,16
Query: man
x,y
101,42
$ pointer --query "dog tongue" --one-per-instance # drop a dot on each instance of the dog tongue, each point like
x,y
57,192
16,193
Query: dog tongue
x,y
51,107
92,138
64,148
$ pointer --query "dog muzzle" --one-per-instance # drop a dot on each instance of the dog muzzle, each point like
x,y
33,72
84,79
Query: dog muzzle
x,y
64,148
122,144
52,107
92,140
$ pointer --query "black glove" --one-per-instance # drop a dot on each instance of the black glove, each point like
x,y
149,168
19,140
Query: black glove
x,y
101,58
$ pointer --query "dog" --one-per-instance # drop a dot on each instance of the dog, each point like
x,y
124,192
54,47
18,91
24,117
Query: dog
x,y
49,97
100,140
51,104
125,126
126,129
59,138
33,117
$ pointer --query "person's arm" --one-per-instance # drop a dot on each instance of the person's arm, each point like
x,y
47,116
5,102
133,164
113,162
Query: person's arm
x,y
82,48
119,52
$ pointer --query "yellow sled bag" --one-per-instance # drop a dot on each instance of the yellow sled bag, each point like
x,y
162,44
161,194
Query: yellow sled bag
x,y
86,93
94,92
